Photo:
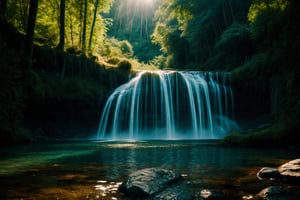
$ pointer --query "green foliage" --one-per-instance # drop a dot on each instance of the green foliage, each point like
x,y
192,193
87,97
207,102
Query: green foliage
x,y
232,34
234,47
188,31
114,47
276,60
17,12
47,25
276,134
159,61
261,6
175,47
277,38
265,31
126,48
132,21
160,35
64,64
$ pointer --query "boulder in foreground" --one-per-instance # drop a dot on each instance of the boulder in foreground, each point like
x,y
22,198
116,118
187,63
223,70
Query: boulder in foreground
x,y
290,171
148,182
277,193
268,172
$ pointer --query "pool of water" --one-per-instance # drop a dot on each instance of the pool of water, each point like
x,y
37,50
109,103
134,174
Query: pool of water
x,y
95,169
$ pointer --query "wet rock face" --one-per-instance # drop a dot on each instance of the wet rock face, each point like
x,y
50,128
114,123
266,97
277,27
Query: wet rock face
x,y
290,171
150,181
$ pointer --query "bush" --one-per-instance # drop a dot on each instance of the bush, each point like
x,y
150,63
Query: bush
x,y
124,65
126,48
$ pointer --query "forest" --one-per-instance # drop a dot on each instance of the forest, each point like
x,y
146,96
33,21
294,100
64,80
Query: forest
x,y
59,60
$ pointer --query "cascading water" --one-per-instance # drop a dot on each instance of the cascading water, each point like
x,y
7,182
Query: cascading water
x,y
170,105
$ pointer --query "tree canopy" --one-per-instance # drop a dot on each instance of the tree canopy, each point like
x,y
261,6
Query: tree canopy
x,y
196,27
48,20
166,33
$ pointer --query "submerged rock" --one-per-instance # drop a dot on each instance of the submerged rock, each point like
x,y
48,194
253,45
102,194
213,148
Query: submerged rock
x,y
275,193
148,182
290,171
179,191
268,172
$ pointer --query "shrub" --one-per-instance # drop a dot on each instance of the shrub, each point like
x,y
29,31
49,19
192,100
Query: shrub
x,y
124,65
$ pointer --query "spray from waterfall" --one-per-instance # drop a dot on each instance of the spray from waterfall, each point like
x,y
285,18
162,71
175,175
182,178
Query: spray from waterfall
x,y
170,105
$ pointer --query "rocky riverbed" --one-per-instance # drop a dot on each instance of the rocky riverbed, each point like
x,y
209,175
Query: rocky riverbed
x,y
162,184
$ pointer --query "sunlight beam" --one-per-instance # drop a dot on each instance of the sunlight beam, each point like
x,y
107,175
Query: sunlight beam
x,y
146,3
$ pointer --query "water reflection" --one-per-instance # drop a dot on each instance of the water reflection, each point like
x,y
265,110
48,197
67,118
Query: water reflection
x,y
107,188
117,156
101,166
191,158
247,197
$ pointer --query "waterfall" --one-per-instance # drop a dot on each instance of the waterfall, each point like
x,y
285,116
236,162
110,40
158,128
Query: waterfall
x,y
170,105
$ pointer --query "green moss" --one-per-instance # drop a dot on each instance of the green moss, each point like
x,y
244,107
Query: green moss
x,y
274,134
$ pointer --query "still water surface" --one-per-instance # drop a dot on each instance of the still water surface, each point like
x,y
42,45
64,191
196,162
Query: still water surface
x,y
95,169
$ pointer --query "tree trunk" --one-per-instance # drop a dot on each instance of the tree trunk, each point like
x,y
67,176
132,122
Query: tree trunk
x,y
93,24
28,47
80,23
61,44
224,14
84,27
71,28
23,12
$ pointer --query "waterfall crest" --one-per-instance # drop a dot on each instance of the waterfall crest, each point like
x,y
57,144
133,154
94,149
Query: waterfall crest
x,y
170,105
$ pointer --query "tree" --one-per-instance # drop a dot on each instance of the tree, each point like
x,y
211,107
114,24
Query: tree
x,y
83,40
93,23
62,25
49,22
198,24
238,39
28,47
133,20
81,8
